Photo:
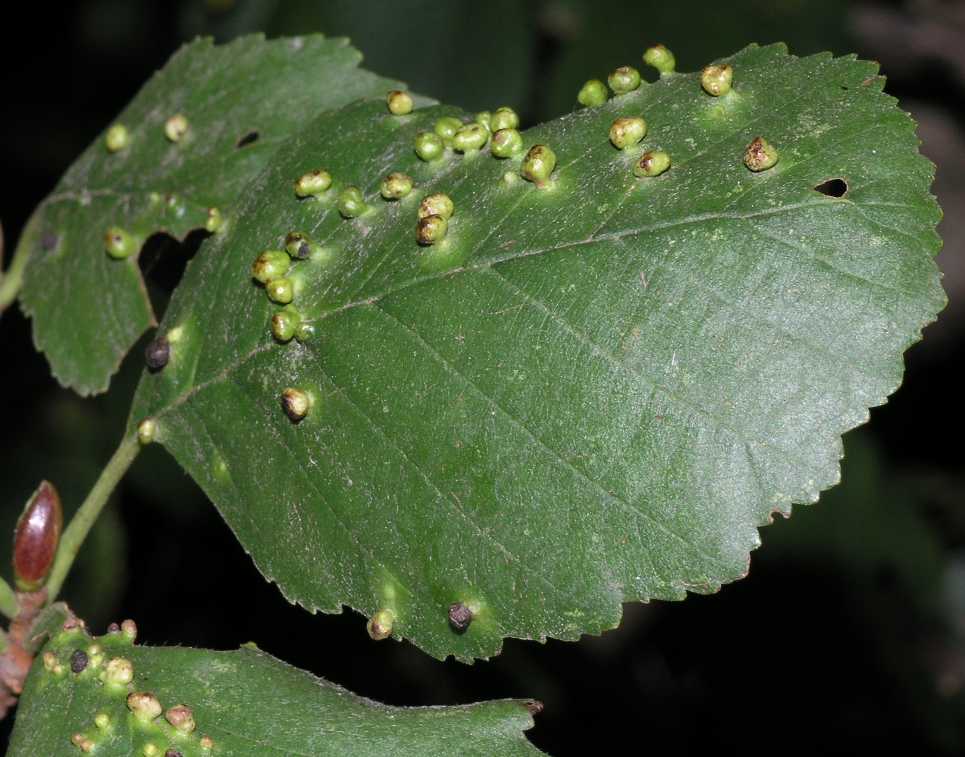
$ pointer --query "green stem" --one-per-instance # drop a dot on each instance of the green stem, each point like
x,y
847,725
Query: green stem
x,y
9,605
75,533
12,278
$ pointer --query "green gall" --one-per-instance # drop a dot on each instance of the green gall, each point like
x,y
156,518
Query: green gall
x,y
117,138
119,243
305,331
429,146
144,705
146,431
592,94
129,629
506,143
504,118
50,661
37,537
437,204
652,163
181,717
214,221
484,118
470,137
270,265
716,80
176,127
296,404
284,324
396,185
102,720
627,132
280,290
661,59
119,671
351,202
298,245
380,625
447,126
150,750
399,102
431,229
624,79
760,155
83,743
206,743
538,165
313,183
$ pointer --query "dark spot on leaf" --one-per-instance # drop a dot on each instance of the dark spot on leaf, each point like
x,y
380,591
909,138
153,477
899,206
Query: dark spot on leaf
x,y
172,753
248,139
157,353
78,661
460,617
833,188
49,241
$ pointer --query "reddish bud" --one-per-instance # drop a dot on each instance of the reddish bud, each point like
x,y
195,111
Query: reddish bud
x,y
36,538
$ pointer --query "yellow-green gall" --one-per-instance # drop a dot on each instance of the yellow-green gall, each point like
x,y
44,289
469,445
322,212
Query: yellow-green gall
x,y
504,118
150,750
760,155
431,229
470,137
313,183
144,705
119,243
429,146
506,143
214,221
484,118
284,324
176,127
538,165
351,202
437,204
716,80
280,290
652,163
447,126
117,138
102,720
206,743
296,403
129,629
380,625
399,102
624,79
181,717
627,132
592,94
661,59
270,265
146,431
298,245
119,671
396,185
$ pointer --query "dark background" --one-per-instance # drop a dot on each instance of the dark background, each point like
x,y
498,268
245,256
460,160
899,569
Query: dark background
x,y
849,634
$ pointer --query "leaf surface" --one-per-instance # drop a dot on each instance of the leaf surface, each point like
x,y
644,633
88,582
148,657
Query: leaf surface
x,y
246,701
242,101
587,394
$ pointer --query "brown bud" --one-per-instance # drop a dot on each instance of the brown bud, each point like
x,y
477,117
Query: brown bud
x,y
36,537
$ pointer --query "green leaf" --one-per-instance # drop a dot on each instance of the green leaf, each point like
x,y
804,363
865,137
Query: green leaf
x,y
88,309
585,395
247,702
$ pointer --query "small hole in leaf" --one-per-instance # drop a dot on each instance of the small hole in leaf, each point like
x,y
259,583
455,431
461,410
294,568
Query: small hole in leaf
x,y
248,139
833,188
162,261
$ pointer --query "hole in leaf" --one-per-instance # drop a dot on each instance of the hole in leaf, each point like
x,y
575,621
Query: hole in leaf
x,y
162,261
833,188
248,139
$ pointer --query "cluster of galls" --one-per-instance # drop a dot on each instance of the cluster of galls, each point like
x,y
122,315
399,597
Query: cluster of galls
x,y
626,132
117,676
273,269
